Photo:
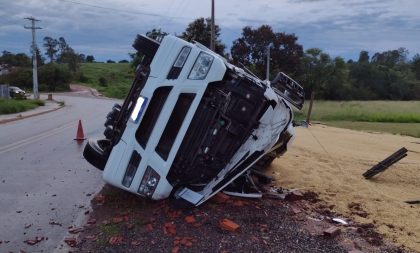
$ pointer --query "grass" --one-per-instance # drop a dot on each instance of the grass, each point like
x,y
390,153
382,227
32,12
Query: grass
x,y
8,106
397,117
111,79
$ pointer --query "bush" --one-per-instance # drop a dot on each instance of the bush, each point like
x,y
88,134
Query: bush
x,y
55,77
102,81
21,77
83,78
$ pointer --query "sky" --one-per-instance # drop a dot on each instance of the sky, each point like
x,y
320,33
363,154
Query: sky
x,y
106,28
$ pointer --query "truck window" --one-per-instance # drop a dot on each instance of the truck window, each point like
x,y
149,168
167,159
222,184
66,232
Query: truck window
x,y
152,114
174,124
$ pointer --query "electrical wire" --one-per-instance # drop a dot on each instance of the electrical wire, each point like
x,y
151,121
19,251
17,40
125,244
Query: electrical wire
x,y
126,11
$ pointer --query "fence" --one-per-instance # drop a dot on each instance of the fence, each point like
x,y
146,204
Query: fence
x,y
4,91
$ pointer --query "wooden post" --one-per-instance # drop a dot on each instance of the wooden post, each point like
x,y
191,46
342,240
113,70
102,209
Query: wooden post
x,y
308,118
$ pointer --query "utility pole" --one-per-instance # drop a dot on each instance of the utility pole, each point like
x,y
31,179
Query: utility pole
x,y
34,61
212,38
267,76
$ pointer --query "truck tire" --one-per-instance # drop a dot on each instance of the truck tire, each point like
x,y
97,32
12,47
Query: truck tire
x,y
94,152
146,46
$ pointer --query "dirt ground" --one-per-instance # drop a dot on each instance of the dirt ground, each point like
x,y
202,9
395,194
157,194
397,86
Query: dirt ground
x,y
330,161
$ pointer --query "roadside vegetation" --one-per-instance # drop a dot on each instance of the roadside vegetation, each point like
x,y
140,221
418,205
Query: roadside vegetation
x,y
110,79
397,117
8,106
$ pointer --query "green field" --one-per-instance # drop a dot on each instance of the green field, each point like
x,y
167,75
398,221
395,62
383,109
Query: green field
x,y
397,117
14,106
116,78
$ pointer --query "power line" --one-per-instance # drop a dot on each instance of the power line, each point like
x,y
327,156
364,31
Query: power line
x,y
126,11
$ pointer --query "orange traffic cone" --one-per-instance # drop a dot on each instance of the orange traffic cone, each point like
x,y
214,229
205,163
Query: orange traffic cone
x,y
80,136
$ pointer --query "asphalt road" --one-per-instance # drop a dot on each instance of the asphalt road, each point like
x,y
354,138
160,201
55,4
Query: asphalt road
x,y
43,176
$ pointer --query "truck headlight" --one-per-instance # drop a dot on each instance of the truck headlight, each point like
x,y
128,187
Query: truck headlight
x,y
201,66
179,63
138,109
149,182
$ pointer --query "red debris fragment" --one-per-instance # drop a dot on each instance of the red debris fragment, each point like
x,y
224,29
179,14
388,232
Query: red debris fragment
x,y
149,227
34,241
175,249
135,243
228,225
30,242
169,228
117,220
71,241
190,219
91,237
91,221
115,240
75,230
55,223
238,203
173,214
100,199
220,198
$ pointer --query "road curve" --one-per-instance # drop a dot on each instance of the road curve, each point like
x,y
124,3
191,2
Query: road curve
x,y
45,184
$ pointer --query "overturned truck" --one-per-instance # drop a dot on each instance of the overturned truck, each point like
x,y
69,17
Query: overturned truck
x,y
192,123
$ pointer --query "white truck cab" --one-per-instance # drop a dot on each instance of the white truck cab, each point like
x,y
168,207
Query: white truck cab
x,y
192,123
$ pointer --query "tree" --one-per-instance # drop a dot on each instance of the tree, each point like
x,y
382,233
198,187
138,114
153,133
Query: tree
x,y
50,45
364,57
71,58
62,45
251,50
200,30
391,58
16,60
156,34
415,66
82,57
317,68
90,58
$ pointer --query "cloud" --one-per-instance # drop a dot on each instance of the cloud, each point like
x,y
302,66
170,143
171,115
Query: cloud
x,y
106,29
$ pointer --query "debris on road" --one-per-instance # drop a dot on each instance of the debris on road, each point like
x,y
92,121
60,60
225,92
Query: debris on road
x,y
75,230
71,241
413,201
332,231
115,240
228,225
34,241
341,221
386,163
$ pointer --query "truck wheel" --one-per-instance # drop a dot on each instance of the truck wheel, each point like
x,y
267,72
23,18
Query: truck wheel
x,y
264,161
94,152
146,46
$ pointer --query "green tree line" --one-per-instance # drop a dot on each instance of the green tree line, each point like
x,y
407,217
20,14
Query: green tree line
x,y
387,75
